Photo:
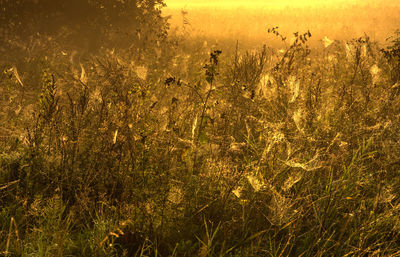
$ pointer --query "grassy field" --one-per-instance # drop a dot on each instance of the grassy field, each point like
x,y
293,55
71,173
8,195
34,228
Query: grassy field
x,y
198,149
341,21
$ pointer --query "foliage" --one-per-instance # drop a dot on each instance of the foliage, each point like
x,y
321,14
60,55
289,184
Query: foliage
x,y
80,25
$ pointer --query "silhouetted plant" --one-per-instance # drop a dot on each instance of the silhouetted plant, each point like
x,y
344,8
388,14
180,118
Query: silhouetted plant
x,y
392,53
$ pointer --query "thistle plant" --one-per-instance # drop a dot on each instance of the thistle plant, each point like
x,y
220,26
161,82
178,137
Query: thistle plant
x,y
210,72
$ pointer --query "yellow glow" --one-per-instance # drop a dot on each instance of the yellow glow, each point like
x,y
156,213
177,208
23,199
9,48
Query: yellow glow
x,y
258,3
328,20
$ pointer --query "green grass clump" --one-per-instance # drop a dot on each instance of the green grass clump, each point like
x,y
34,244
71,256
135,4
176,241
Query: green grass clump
x,y
290,152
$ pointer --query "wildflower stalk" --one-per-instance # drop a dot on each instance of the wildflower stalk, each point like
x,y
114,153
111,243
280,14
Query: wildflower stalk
x,y
211,72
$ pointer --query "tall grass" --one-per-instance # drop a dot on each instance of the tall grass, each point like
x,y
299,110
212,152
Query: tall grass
x,y
290,152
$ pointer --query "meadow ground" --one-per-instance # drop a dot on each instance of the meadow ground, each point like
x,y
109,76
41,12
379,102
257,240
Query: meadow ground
x,y
198,149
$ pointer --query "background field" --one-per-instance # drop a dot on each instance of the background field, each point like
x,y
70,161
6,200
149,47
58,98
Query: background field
x,y
248,22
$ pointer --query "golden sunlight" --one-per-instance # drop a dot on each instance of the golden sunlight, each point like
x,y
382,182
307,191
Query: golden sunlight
x,y
257,3
248,20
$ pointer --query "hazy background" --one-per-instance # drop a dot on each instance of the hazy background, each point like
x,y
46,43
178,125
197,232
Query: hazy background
x,y
248,21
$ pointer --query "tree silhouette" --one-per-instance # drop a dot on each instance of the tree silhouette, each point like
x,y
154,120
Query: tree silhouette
x,y
83,24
